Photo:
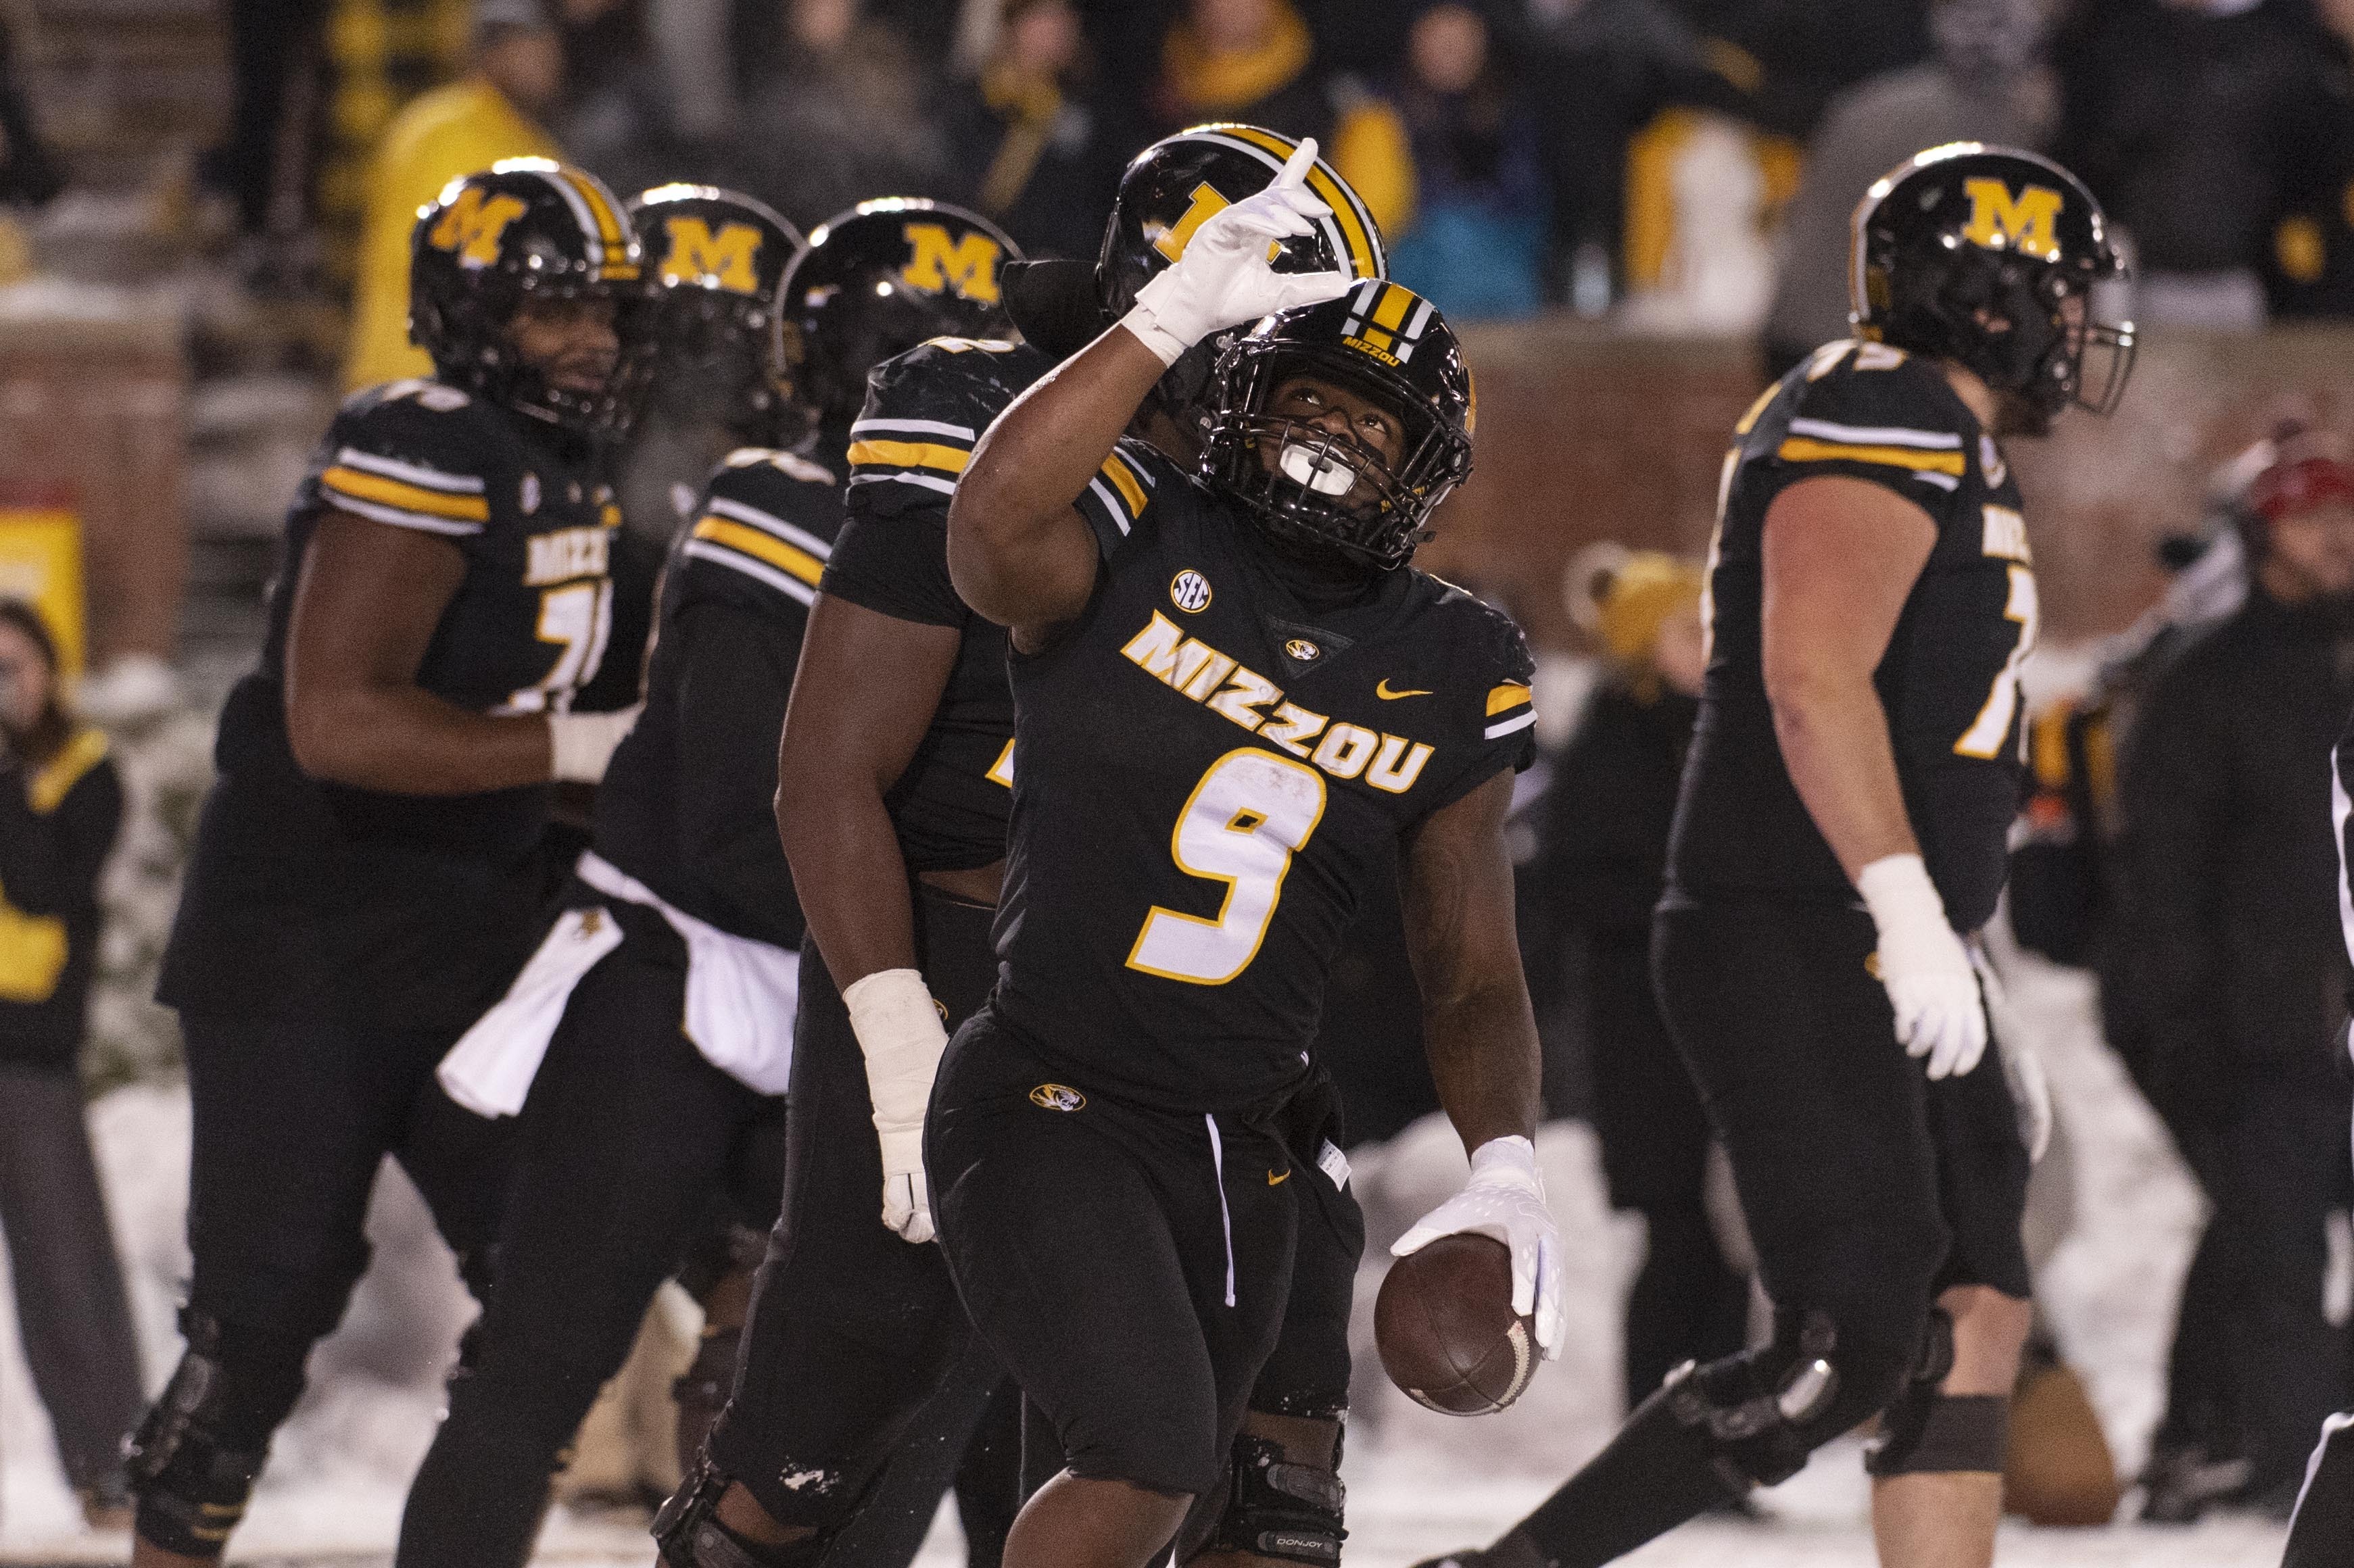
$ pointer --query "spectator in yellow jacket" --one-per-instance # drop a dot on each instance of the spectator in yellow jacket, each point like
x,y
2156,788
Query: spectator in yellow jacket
x,y
494,111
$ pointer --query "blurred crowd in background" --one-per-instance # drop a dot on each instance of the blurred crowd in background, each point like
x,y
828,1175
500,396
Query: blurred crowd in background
x,y
1521,153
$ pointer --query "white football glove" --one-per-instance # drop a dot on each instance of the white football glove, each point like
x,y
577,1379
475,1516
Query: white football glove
x,y
1925,967
581,744
1505,1199
900,1034
1227,275
2022,1067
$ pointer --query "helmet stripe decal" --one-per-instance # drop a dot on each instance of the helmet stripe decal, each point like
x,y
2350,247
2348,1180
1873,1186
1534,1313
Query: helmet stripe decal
x,y
1350,230
1363,252
611,237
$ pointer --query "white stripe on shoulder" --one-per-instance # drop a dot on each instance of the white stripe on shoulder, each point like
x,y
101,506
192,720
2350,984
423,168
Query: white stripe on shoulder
x,y
1878,435
913,427
1142,471
769,523
906,476
1110,503
375,512
409,472
1502,728
1945,482
720,555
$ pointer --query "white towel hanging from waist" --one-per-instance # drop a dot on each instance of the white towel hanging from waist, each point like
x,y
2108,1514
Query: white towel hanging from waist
x,y
740,997
741,993
490,1070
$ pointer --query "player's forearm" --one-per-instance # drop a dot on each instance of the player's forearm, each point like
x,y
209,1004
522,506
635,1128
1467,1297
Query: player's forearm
x,y
1484,1060
1012,533
406,741
1835,743
852,878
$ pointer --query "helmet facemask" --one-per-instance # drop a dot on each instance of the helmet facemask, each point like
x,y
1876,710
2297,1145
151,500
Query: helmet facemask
x,y
1324,492
714,361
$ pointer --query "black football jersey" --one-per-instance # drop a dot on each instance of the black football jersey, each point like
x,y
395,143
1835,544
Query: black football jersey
x,y
924,412
295,882
1949,682
1212,777
688,804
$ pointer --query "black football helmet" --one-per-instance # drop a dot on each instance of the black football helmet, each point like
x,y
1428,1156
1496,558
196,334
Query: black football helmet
x,y
1386,343
526,227
1172,187
876,281
718,260
1973,253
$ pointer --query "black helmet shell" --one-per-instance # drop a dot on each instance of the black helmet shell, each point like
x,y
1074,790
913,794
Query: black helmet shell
x,y
1388,344
880,279
718,260
1173,187
1971,252
524,227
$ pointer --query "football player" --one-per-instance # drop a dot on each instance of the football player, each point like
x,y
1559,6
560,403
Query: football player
x,y
1840,839
651,1108
1190,839
895,775
367,873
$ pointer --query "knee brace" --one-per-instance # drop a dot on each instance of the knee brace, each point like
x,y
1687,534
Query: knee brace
x,y
687,1532
1925,1432
1276,1508
193,1461
1765,1410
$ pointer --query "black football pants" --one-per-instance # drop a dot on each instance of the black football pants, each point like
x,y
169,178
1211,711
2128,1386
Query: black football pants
x,y
1130,1267
292,1116
631,1148
854,1333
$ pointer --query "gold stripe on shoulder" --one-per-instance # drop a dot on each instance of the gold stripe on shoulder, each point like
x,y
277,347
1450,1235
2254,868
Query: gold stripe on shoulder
x,y
1800,448
909,454
1116,469
761,547
1511,695
54,780
363,486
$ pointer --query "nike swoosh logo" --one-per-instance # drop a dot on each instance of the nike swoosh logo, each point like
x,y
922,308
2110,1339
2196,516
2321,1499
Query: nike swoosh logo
x,y
1275,1181
1383,691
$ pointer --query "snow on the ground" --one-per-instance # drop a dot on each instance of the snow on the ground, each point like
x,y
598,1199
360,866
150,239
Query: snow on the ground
x,y
1419,1483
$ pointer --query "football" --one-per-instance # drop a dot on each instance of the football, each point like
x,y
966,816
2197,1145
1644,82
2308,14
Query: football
x,y
1446,1331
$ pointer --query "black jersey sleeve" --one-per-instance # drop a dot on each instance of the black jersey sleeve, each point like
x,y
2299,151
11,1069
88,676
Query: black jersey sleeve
x,y
412,454
1871,412
925,410
761,536
1493,699
1122,491
737,673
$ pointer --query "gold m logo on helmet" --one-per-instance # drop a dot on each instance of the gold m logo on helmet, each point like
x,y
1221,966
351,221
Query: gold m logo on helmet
x,y
729,258
2028,223
1208,202
939,264
474,224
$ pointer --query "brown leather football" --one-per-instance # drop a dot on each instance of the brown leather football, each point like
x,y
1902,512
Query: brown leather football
x,y
1446,1329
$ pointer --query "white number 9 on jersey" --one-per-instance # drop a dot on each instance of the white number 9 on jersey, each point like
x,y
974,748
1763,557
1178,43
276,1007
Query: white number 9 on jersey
x,y
1247,817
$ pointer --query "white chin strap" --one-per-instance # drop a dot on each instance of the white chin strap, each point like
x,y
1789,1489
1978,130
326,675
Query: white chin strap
x,y
1318,472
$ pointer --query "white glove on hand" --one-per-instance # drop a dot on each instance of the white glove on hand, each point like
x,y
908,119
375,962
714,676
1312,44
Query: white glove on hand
x,y
1925,967
2023,1069
900,1034
1226,276
1505,1199
581,744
